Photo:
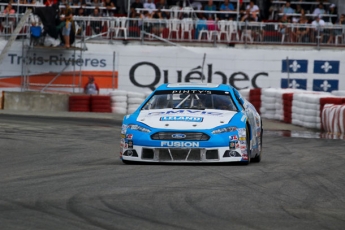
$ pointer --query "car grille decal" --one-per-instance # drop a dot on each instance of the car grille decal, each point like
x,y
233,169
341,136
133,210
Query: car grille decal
x,y
185,136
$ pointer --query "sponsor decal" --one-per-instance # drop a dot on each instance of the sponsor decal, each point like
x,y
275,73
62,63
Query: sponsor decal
x,y
129,136
294,66
123,129
326,67
182,118
242,138
325,85
242,142
233,138
178,136
241,131
195,74
179,144
237,145
243,147
123,136
126,146
232,145
244,151
57,60
191,91
130,144
186,111
294,83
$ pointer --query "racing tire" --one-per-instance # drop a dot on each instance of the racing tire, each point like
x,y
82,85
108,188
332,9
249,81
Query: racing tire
x,y
247,146
257,158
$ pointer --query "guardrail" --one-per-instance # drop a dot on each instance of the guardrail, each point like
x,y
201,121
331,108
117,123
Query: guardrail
x,y
195,31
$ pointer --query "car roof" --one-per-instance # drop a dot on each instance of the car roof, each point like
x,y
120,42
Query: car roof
x,y
193,85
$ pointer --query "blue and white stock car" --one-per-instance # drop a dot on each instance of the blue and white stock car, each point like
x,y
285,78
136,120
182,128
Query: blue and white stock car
x,y
192,123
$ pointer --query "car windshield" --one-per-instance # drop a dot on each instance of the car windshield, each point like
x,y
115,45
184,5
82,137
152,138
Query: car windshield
x,y
191,99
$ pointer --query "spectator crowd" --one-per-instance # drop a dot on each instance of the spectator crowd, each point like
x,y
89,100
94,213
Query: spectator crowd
x,y
313,12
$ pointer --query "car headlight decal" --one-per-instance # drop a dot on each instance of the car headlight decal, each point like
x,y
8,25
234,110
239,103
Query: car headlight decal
x,y
224,130
139,128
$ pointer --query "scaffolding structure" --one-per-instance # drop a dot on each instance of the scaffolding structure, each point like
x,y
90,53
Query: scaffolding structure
x,y
28,52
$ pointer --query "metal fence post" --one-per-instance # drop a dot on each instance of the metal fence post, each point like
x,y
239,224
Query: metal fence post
x,y
318,37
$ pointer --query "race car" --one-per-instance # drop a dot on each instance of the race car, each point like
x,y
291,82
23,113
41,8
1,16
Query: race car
x,y
192,123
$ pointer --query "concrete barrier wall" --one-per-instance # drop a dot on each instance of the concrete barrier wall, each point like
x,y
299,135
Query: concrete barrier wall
x,y
35,101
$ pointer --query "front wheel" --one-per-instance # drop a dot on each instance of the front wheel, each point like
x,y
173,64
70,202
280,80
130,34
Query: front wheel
x,y
258,158
247,145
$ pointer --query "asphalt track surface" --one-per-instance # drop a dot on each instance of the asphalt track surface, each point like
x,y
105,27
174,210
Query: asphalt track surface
x,y
65,173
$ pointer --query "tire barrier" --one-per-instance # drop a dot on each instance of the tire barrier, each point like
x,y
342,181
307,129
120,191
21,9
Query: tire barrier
x,y
255,98
333,119
268,106
2,99
134,101
119,101
298,107
101,104
245,93
287,107
79,103
339,93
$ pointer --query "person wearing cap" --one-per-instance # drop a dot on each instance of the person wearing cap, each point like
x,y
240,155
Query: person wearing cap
x,y
91,87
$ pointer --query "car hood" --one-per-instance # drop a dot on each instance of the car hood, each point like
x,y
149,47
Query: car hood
x,y
183,119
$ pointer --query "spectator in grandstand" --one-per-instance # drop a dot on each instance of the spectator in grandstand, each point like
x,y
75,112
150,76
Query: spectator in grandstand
x,y
134,6
94,3
150,6
227,7
319,10
337,32
9,9
334,12
196,5
91,87
242,10
162,5
302,31
78,3
67,18
249,17
21,9
283,26
95,24
157,27
287,9
253,9
317,29
81,12
109,8
209,7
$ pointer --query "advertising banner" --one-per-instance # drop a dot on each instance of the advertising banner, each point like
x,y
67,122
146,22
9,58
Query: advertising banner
x,y
144,68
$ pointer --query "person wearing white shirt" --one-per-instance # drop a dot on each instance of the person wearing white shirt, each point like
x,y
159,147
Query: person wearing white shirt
x,y
253,9
317,28
150,6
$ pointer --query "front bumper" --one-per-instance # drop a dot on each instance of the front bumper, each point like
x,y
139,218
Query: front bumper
x,y
183,155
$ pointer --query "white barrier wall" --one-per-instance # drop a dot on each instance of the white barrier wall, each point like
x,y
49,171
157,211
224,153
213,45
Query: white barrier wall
x,y
304,108
143,68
